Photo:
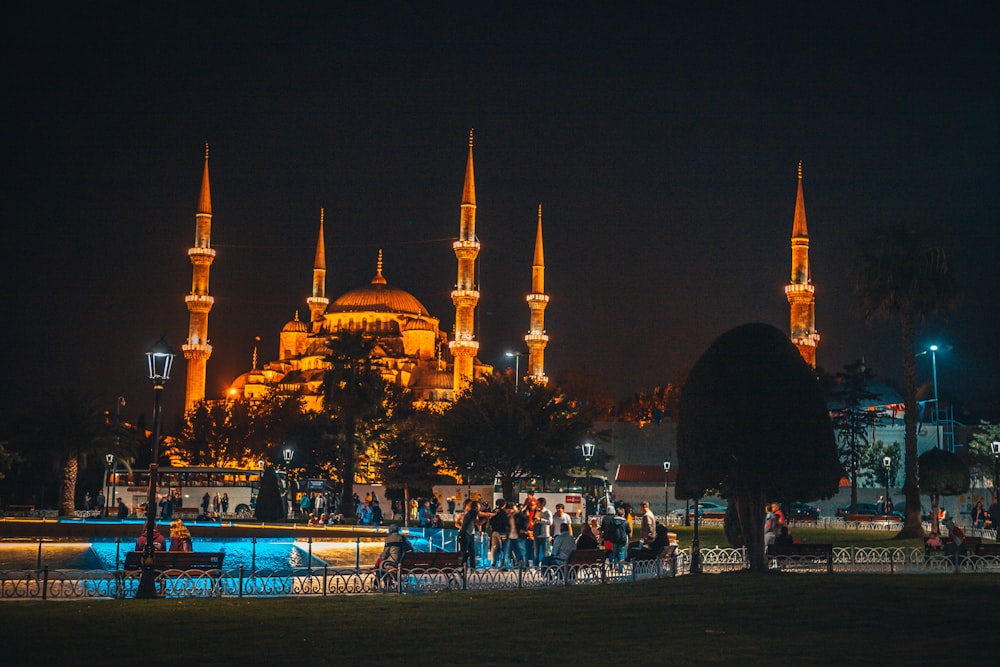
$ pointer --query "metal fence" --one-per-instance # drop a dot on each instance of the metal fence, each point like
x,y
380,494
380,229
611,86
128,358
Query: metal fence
x,y
45,584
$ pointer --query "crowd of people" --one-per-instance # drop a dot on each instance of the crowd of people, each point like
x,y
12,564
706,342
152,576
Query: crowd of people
x,y
530,534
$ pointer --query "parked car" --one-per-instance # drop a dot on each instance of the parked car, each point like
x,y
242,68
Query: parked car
x,y
802,511
703,506
870,509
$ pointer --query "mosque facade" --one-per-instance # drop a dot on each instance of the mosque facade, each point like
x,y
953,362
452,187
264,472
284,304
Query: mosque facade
x,y
410,348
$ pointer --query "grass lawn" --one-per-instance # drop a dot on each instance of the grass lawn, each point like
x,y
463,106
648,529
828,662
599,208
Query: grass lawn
x,y
738,618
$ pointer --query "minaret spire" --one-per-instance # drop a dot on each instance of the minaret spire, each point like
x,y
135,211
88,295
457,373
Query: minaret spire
x,y
199,303
800,292
536,338
318,301
465,296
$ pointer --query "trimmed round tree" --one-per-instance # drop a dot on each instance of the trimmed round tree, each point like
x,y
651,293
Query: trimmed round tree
x,y
753,426
941,473
269,505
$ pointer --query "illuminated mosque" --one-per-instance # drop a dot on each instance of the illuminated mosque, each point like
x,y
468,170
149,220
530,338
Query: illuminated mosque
x,y
410,348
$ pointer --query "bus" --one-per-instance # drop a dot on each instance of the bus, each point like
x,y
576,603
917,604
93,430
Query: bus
x,y
569,490
188,485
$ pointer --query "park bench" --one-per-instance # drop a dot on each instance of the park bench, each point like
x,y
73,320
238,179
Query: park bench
x,y
177,562
20,509
801,553
447,564
710,518
986,548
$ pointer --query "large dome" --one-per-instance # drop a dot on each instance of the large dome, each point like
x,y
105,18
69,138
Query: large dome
x,y
378,297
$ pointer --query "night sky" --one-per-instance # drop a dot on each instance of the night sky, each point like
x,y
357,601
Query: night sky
x,y
661,139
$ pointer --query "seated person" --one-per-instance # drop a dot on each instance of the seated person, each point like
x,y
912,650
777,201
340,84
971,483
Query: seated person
x,y
652,549
159,542
180,536
588,536
933,542
395,546
562,547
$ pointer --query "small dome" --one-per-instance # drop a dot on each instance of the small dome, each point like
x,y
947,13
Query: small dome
x,y
418,324
295,326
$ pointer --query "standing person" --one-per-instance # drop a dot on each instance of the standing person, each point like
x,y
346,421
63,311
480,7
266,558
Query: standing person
x,y
957,547
304,506
880,506
225,503
122,510
376,512
542,528
618,537
217,505
522,524
647,525
978,515
770,526
559,518
467,534
995,516
180,536
424,514
206,500
499,528
607,528
100,500
167,507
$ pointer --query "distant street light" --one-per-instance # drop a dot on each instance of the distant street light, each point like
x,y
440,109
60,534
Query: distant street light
x,y
160,358
587,449
517,367
887,462
695,544
995,447
288,453
933,349
666,490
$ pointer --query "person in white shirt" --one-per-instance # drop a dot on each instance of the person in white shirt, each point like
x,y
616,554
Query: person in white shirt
x,y
559,518
543,523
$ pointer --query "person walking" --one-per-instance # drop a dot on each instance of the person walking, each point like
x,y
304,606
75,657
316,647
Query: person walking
x,y
467,534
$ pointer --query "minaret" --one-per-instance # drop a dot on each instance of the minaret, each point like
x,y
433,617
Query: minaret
x,y
536,337
319,301
800,291
465,296
199,303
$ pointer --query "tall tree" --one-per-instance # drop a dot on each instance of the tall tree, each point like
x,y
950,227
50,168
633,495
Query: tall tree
x,y
64,429
753,424
852,420
353,392
942,474
902,274
512,429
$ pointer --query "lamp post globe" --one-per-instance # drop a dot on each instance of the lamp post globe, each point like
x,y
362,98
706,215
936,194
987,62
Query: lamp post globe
x,y
160,359
517,367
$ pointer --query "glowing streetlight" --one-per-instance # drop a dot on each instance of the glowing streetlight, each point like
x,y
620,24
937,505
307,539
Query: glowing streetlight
x,y
517,366
666,490
160,358
587,449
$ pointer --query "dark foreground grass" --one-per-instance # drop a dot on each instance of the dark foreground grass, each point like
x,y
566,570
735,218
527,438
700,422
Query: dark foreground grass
x,y
741,618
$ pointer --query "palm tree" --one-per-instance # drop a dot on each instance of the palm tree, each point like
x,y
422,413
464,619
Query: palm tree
x,y
65,430
901,274
353,392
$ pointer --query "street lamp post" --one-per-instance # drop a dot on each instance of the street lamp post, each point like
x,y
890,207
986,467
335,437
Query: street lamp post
x,y
160,358
995,447
517,367
109,500
468,479
666,491
933,349
587,449
887,462
695,544
288,454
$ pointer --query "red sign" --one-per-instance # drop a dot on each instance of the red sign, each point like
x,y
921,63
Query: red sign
x,y
573,499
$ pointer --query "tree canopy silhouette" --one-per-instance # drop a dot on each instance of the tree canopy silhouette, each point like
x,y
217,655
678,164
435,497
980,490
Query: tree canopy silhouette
x,y
753,425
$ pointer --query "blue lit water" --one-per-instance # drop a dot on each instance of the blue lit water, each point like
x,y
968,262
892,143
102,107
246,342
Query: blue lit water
x,y
269,555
